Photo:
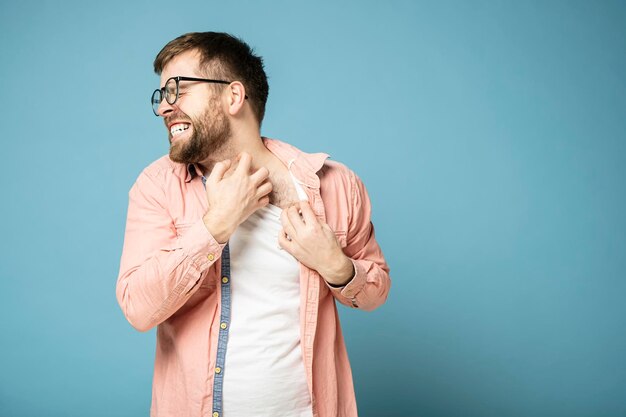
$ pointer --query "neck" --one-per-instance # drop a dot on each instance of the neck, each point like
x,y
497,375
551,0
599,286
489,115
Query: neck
x,y
250,143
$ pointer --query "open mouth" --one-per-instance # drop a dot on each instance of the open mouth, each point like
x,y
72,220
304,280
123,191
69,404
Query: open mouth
x,y
178,128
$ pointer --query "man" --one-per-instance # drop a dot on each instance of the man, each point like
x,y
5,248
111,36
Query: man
x,y
237,247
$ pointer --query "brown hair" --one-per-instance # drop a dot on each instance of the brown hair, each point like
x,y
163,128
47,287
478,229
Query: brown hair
x,y
223,56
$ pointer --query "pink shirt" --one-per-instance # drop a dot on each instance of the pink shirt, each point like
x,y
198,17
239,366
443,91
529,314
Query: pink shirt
x,y
170,269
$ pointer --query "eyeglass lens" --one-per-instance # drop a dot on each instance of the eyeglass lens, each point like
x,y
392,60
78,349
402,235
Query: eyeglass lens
x,y
171,94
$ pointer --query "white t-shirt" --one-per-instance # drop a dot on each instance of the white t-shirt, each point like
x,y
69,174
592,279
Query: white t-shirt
x,y
264,373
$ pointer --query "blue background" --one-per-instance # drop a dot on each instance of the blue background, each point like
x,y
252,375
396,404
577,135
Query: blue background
x,y
491,136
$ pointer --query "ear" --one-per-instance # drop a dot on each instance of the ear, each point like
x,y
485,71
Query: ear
x,y
236,97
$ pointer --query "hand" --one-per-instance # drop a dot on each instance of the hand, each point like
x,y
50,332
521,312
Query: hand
x,y
233,198
314,244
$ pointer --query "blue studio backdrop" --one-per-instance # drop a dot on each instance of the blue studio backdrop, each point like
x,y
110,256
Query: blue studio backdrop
x,y
490,135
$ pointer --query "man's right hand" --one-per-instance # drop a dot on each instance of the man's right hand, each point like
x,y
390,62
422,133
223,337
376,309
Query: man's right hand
x,y
233,198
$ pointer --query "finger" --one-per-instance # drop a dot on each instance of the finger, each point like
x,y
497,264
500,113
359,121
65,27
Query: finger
x,y
264,189
307,212
294,216
264,201
244,163
231,170
260,175
219,169
287,225
284,242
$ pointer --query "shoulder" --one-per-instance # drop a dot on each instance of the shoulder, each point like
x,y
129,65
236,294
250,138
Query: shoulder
x,y
337,174
164,170
341,183
337,186
164,167
160,176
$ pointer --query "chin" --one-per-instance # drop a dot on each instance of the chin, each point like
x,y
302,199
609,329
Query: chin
x,y
176,154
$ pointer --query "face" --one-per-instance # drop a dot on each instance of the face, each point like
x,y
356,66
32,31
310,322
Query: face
x,y
197,124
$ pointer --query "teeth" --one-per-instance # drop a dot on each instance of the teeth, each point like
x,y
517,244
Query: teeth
x,y
178,128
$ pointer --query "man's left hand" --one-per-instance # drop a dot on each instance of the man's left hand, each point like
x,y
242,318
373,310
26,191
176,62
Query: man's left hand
x,y
314,244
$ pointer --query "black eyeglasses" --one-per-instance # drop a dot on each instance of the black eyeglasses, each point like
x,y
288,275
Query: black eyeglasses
x,y
170,91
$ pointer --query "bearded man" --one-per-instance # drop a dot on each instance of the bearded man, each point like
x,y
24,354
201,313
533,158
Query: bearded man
x,y
237,247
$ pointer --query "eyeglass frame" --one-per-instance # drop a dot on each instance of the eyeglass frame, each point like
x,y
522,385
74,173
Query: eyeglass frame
x,y
178,79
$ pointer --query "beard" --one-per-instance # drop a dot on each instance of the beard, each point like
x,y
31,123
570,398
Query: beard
x,y
211,132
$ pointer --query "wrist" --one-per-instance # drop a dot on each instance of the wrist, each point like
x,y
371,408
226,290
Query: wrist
x,y
218,228
341,273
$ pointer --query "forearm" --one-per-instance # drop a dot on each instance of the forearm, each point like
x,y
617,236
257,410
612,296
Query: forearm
x,y
152,287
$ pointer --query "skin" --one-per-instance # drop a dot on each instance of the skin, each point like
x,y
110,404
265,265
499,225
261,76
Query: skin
x,y
243,171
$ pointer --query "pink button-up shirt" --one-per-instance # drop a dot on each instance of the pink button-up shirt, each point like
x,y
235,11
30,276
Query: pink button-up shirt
x,y
170,269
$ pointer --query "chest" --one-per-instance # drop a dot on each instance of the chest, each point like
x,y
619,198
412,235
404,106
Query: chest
x,y
284,191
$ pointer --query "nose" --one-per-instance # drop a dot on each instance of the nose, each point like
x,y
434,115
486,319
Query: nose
x,y
164,108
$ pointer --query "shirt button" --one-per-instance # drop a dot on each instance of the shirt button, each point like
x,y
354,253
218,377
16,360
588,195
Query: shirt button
x,y
223,325
210,256
224,280
216,414
218,370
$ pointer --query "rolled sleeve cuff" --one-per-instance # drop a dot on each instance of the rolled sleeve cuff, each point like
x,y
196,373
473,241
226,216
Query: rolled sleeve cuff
x,y
199,245
354,286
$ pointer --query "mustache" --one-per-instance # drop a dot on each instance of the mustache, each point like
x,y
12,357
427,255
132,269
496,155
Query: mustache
x,y
179,116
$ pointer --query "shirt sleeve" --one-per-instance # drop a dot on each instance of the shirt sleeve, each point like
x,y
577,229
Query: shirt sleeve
x,y
159,270
369,287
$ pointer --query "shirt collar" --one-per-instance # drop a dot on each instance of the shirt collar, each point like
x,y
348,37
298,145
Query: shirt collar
x,y
193,170
304,166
